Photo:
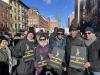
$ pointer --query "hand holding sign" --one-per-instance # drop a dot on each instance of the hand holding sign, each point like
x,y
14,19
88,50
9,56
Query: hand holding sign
x,y
87,65
50,55
78,57
42,59
57,57
29,55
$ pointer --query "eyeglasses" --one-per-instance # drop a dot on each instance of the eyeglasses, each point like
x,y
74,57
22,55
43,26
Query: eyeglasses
x,y
60,34
42,39
88,33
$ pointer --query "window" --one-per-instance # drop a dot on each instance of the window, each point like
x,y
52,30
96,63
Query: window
x,y
3,15
6,26
15,25
2,25
1,5
11,25
15,10
19,25
18,18
10,1
10,7
8,16
11,16
15,17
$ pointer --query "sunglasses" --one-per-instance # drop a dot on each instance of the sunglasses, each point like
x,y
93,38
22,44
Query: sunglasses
x,y
88,33
60,33
42,39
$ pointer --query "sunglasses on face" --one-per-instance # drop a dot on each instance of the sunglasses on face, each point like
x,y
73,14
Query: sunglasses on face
x,y
42,39
88,33
60,33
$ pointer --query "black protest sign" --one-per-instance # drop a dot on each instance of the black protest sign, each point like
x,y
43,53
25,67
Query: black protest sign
x,y
42,59
58,56
78,57
29,55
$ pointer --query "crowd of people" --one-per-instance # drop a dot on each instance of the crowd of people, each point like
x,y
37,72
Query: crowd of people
x,y
22,56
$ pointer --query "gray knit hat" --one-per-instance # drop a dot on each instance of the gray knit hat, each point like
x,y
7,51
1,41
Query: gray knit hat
x,y
89,29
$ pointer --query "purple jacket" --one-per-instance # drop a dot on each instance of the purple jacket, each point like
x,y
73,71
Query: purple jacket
x,y
40,50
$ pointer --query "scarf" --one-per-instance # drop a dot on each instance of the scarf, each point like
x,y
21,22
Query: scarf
x,y
89,42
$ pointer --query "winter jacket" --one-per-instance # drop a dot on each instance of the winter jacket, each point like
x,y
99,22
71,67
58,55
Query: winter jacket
x,y
67,51
4,68
77,41
9,59
41,50
59,43
3,55
94,55
55,42
21,48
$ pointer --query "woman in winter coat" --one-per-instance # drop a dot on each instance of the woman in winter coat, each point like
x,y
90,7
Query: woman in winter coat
x,y
5,57
42,54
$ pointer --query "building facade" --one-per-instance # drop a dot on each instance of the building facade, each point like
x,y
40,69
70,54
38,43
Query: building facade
x,y
5,20
90,14
33,19
36,20
43,22
22,18
19,15
71,18
79,10
93,13
53,24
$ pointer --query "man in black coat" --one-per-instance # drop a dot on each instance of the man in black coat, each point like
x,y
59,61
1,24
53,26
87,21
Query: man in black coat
x,y
75,40
93,45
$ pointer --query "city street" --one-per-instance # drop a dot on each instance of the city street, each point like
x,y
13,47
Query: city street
x,y
49,37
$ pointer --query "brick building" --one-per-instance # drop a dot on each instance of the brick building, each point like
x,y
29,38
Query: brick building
x,y
37,20
5,19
